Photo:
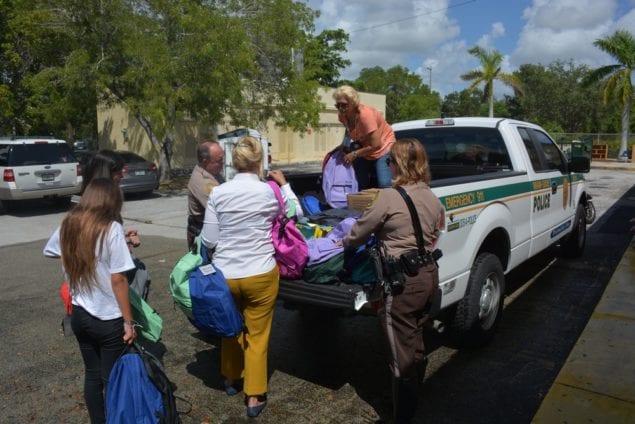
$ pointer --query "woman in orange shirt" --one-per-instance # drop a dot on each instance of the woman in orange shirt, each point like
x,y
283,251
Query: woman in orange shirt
x,y
367,127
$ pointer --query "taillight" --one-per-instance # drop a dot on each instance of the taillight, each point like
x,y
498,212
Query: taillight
x,y
8,176
124,170
153,167
80,171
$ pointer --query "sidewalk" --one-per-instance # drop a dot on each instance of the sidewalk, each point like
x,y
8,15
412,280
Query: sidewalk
x,y
612,164
597,382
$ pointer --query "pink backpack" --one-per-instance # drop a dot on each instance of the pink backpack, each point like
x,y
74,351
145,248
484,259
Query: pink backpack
x,y
292,252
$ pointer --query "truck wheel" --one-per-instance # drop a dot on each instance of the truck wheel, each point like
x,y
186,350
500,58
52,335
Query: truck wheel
x,y
478,313
573,246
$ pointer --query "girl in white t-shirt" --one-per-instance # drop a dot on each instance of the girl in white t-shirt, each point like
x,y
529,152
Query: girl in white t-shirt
x,y
92,246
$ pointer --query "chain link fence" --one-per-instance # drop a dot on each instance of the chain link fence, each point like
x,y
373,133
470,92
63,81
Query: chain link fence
x,y
591,140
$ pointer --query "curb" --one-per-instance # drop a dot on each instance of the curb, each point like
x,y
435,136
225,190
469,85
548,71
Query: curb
x,y
597,381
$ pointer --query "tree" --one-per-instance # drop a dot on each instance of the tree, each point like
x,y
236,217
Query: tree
x,y
464,103
323,57
407,97
163,60
553,94
490,71
616,78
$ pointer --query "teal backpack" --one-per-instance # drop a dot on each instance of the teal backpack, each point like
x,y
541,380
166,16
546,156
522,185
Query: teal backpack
x,y
180,279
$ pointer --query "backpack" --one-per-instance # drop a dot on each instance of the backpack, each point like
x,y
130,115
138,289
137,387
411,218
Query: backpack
x,y
325,272
139,391
291,250
180,279
139,278
150,323
213,308
310,204
338,180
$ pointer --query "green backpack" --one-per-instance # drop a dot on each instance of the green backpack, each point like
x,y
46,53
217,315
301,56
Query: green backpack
x,y
149,321
180,279
325,272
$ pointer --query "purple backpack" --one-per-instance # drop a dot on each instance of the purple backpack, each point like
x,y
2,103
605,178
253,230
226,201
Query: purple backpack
x,y
338,180
292,252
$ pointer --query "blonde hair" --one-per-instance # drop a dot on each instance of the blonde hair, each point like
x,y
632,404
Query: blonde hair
x,y
347,92
247,155
411,162
85,228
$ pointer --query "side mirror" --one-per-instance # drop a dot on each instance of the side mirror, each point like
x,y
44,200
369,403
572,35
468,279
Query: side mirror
x,y
579,164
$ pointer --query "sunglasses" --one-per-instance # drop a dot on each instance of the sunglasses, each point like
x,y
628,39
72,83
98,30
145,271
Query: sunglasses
x,y
341,106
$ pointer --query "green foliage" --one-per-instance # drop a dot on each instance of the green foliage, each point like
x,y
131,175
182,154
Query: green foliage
x,y
322,57
464,103
407,97
489,72
164,60
553,94
617,78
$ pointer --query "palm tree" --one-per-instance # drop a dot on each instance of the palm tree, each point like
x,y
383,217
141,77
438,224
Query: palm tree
x,y
490,71
617,78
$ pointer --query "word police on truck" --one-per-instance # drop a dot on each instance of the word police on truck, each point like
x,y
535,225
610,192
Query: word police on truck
x,y
508,192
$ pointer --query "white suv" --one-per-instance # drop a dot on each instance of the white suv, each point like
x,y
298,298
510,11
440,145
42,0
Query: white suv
x,y
34,168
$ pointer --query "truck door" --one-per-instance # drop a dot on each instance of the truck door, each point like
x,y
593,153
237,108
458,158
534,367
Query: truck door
x,y
551,204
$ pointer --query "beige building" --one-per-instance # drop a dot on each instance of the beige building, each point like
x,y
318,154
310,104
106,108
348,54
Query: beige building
x,y
119,130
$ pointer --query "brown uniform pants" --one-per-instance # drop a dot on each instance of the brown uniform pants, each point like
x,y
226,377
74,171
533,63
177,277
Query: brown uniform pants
x,y
402,318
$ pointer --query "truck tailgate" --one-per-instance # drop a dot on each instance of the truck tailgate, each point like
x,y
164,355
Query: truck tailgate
x,y
334,296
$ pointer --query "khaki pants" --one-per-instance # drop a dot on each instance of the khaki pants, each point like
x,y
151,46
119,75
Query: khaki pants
x,y
402,319
245,356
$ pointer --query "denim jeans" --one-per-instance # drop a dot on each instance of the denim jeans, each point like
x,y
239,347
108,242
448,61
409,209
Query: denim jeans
x,y
368,170
101,343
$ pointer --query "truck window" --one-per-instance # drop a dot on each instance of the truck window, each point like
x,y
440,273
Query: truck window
x,y
549,149
543,152
534,158
461,151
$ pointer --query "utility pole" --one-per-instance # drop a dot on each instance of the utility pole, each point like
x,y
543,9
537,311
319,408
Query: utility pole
x,y
430,80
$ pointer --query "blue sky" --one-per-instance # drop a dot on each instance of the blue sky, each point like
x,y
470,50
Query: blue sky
x,y
436,34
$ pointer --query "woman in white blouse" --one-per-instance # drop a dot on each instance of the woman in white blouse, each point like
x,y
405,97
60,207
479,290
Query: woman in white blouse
x,y
237,225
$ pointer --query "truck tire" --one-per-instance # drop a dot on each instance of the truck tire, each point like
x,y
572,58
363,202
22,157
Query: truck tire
x,y
573,245
478,313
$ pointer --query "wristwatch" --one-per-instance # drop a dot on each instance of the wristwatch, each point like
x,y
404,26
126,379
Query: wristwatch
x,y
354,154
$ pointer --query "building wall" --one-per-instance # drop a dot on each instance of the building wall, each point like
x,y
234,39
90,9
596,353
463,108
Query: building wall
x,y
119,130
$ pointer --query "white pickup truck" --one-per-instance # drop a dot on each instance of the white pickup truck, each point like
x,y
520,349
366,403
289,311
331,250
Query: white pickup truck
x,y
508,191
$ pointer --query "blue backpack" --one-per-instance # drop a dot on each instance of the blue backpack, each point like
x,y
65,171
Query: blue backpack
x,y
139,391
131,397
310,204
213,309
338,180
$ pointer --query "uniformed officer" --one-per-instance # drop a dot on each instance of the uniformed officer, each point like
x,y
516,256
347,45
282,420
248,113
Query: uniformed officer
x,y
205,176
403,314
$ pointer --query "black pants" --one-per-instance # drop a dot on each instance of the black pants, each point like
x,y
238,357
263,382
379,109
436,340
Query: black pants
x,y
101,343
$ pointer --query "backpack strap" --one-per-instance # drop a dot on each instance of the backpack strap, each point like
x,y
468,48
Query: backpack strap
x,y
415,220
276,190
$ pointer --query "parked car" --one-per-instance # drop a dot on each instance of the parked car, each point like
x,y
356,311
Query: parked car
x,y
139,174
37,167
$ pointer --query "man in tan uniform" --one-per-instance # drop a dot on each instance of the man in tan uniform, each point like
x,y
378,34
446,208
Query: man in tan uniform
x,y
205,176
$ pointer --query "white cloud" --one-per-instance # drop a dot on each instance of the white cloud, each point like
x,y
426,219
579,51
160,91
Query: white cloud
x,y
563,30
386,34
487,40
448,62
421,34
